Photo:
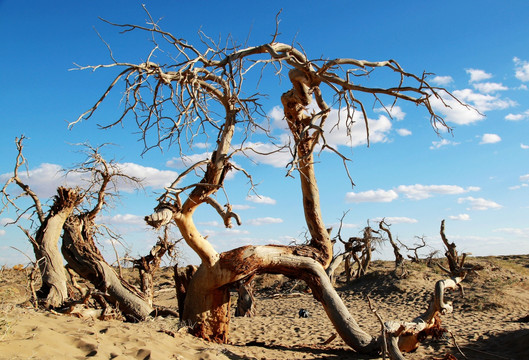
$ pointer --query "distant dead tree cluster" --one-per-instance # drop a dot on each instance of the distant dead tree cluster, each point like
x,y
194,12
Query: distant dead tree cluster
x,y
198,92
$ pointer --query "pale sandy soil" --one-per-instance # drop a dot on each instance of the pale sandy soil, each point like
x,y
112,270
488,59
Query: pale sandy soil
x,y
484,322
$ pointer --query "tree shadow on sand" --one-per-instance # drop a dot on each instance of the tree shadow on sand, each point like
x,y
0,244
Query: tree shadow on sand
x,y
512,345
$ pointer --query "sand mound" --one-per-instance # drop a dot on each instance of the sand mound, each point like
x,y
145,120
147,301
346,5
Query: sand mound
x,y
485,322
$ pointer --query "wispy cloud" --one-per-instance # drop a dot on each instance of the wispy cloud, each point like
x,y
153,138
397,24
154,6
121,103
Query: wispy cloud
x,y
414,192
122,219
396,220
489,87
403,132
394,111
460,217
521,69
442,80
478,75
261,199
521,232
490,139
442,143
419,192
517,117
185,162
479,203
264,221
371,196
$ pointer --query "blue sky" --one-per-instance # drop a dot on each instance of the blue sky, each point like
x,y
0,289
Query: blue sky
x,y
476,178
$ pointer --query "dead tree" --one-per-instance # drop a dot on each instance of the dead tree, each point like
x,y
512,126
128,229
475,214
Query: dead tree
x,y
148,265
78,245
182,278
399,259
416,247
407,336
456,264
53,291
209,81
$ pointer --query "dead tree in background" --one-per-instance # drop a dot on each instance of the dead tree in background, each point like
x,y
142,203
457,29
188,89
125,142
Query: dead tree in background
x,y
201,98
399,259
182,277
53,291
456,264
415,257
149,264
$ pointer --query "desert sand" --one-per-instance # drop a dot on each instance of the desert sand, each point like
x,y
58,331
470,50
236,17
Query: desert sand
x,y
488,323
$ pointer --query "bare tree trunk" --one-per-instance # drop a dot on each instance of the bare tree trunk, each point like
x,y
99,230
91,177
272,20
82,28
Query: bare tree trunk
x,y
399,259
207,304
246,300
83,256
149,264
335,263
53,290
182,277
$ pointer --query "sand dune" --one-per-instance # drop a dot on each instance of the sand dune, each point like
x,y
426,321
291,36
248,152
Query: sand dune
x,y
484,323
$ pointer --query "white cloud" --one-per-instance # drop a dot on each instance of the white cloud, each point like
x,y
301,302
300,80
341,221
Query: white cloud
x,y
185,162
478,75
516,187
490,139
120,219
479,203
442,80
514,231
403,132
420,192
2,232
489,87
210,223
267,153
45,179
514,117
460,217
371,196
151,177
5,221
395,112
443,142
338,135
483,102
453,111
396,220
524,178
241,207
523,146
264,221
260,199
517,117
521,68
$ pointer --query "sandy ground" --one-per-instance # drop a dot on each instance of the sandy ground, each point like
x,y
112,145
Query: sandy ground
x,y
484,324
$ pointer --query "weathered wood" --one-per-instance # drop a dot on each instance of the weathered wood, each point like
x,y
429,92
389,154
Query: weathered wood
x,y
82,255
182,277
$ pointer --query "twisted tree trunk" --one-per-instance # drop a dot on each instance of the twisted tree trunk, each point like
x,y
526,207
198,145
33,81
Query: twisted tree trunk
x,y
53,291
83,256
